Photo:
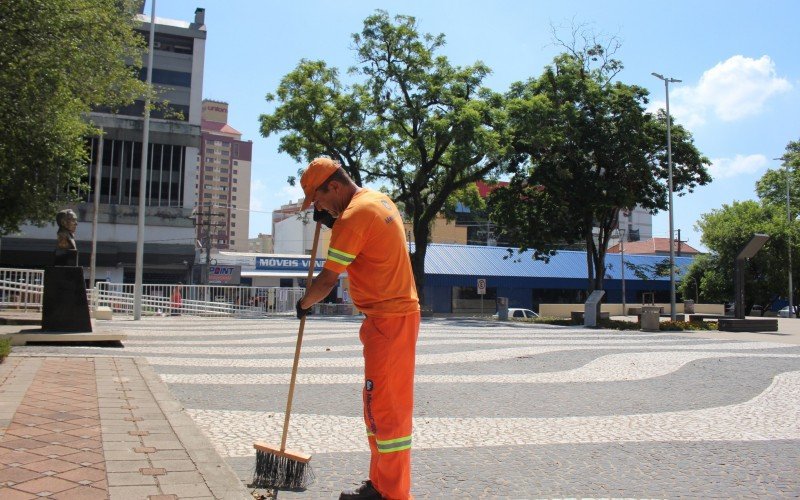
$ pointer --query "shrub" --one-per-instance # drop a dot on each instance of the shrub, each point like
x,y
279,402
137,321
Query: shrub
x,y
5,348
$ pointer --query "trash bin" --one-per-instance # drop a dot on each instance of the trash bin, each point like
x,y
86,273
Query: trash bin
x,y
688,306
650,319
502,308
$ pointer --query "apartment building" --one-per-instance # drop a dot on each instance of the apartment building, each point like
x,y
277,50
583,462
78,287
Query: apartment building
x,y
222,181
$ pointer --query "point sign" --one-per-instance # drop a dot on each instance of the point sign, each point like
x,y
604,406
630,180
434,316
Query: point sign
x,y
482,286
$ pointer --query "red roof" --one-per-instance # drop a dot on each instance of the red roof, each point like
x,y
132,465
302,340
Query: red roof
x,y
208,126
484,189
654,246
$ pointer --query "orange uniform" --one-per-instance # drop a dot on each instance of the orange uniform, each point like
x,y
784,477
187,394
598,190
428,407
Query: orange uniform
x,y
368,241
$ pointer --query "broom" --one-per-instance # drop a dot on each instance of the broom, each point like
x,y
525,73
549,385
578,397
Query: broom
x,y
277,467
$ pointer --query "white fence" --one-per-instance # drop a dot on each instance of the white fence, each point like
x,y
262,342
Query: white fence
x,y
199,300
21,289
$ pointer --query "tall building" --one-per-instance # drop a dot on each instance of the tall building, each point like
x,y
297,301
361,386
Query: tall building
x,y
222,181
171,158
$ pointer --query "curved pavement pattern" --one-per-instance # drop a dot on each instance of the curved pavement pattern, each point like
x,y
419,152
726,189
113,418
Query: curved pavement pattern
x,y
502,410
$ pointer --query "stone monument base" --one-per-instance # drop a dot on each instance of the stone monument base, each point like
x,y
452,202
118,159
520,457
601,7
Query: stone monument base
x,y
64,304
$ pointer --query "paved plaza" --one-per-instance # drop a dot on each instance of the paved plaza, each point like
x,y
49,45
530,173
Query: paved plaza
x,y
503,410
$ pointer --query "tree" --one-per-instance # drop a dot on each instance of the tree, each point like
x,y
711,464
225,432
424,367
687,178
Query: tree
x,y
771,188
427,128
58,60
443,129
321,116
725,232
589,150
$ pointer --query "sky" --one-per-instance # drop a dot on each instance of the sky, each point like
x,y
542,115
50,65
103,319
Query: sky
x,y
739,93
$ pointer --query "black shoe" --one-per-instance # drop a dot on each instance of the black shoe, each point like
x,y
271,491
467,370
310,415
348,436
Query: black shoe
x,y
365,491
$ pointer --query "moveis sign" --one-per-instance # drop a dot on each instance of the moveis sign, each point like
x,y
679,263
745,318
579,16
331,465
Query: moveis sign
x,y
286,263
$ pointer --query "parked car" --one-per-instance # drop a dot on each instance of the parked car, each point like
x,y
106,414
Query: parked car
x,y
756,310
518,313
785,313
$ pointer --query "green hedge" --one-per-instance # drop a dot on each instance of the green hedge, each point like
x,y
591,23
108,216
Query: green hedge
x,y
5,348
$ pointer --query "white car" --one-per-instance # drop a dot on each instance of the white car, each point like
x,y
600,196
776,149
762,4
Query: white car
x,y
517,313
784,313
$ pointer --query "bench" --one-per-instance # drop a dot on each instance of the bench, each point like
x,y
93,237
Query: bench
x,y
747,325
699,318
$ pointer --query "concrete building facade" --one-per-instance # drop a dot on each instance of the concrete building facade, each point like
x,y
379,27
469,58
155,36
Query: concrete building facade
x,y
174,139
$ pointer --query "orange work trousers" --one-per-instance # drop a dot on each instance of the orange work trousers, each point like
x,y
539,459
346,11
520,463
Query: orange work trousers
x,y
389,351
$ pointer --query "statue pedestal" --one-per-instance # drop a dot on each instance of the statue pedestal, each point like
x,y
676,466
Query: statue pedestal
x,y
64,304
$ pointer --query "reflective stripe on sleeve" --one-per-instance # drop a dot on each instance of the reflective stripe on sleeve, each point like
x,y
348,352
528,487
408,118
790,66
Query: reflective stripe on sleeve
x,y
392,445
340,257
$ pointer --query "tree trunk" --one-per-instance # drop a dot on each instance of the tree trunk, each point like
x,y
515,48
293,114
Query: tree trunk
x,y
421,234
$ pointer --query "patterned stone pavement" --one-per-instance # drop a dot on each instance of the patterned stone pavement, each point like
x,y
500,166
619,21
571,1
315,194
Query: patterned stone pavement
x,y
503,410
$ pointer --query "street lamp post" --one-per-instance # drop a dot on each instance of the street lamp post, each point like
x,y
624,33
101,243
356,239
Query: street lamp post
x,y
788,232
667,81
137,287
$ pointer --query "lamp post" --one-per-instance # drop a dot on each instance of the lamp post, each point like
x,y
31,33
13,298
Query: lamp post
x,y
667,81
788,233
137,288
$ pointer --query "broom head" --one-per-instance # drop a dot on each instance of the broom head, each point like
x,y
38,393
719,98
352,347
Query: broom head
x,y
281,469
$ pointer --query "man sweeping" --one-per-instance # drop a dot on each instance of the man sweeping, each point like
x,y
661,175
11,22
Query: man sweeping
x,y
368,240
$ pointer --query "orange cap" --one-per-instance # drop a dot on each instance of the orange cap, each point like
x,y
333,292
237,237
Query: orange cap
x,y
315,175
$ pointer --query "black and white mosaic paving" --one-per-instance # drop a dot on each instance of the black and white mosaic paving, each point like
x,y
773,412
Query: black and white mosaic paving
x,y
502,410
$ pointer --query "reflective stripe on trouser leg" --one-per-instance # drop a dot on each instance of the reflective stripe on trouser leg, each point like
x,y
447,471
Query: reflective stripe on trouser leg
x,y
389,350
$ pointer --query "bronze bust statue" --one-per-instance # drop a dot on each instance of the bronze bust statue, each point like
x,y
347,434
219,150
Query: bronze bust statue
x,y
66,253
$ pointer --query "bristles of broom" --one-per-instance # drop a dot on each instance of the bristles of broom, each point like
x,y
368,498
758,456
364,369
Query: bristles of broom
x,y
273,471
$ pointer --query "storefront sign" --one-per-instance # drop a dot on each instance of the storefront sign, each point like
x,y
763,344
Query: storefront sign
x,y
225,275
286,264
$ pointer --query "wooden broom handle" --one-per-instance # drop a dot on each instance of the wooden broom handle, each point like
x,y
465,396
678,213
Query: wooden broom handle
x,y
311,266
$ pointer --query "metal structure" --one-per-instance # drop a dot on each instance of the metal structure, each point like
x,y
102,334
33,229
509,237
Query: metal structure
x,y
748,251
673,311
22,289
137,308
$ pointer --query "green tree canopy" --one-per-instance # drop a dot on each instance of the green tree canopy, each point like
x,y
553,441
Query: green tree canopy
x,y
725,232
426,128
728,229
58,60
589,150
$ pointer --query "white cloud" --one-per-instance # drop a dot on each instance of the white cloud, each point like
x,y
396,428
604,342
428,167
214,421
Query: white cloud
x,y
733,89
722,168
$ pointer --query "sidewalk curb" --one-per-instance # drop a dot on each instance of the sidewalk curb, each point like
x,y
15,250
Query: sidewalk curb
x,y
219,477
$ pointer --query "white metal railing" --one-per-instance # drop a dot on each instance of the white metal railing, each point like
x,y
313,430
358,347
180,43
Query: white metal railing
x,y
199,300
21,289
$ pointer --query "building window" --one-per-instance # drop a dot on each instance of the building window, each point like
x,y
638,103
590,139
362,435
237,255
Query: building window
x,y
209,177
209,169
234,189
210,151
209,159
233,216
235,163
224,171
233,242
235,180
223,196
208,186
223,179
233,233
235,171
206,195
225,152
233,224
